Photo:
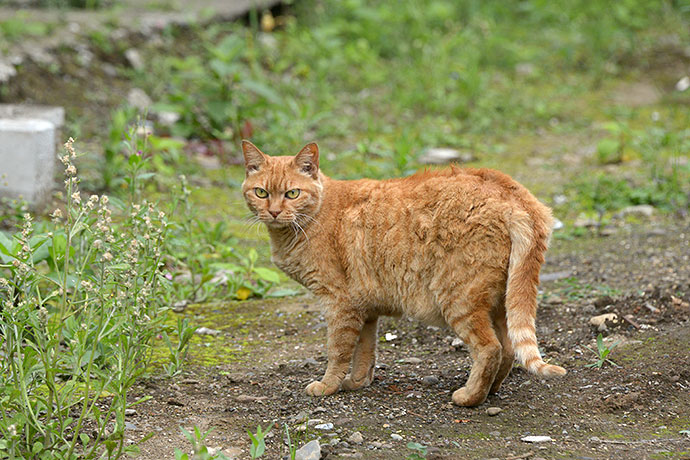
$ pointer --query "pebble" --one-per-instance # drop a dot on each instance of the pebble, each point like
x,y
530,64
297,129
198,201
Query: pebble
x,y
410,361
324,426
299,417
315,421
396,437
207,331
318,410
137,98
249,398
491,411
310,451
134,59
643,210
356,438
445,155
430,380
534,439
130,426
129,412
600,321
390,337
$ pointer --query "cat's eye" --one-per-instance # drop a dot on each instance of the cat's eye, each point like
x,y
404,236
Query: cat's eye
x,y
261,193
292,194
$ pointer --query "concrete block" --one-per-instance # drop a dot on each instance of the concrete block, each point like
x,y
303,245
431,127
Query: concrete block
x,y
55,115
27,158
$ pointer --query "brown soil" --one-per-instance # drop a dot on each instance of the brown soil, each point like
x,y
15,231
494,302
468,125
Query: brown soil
x,y
635,409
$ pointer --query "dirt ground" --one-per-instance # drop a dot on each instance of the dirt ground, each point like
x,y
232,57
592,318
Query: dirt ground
x,y
637,409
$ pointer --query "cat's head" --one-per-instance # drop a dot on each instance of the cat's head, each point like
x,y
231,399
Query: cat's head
x,y
282,190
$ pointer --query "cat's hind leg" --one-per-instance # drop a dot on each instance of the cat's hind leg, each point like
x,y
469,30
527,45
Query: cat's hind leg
x,y
364,358
507,354
344,328
473,324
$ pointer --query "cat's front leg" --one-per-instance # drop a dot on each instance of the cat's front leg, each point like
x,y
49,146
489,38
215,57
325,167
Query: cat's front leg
x,y
344,326
364,359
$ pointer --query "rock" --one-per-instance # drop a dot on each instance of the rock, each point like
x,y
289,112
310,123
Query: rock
x,y
315,421
130,426
7,71
535,439
600,321
457,342
390,337
583,222
310,451
299,417
439,156
318,410
495,434
430,380
641,210
130,412
233,453
27,155
356,438
249,398
555,275
557,224
396,437
683,84
134,59
207,331
175,402
167,118
310,362
324,426
492,411
410,361
137,98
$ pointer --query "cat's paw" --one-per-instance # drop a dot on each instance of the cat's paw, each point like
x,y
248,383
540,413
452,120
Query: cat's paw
x,y
463,397
319,389
350,385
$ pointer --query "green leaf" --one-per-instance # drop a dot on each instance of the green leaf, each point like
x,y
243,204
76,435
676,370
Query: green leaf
x,y
267,275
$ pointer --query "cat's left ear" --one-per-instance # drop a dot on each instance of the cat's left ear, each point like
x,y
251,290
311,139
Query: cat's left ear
x,y
307,160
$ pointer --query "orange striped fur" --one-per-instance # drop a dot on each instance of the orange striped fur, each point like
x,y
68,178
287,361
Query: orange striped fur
x,y
461,247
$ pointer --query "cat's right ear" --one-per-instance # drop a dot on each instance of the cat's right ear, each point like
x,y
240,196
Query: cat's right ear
x,y
253,157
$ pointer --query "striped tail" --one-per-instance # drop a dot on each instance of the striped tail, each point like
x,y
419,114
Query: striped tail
x,y
529,239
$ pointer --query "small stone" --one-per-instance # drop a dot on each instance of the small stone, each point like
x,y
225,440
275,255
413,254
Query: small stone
x,y
134,58
495,434
207,331
430,380
137,98
318,410
324,426
299,417
410,361
315,421
130,426
249,398
390,337
130,412
683,84
583,222
445,155
178,307
642,210
310,451
175,402
310,362
492,411
600,321
356,438
396,437
167,118
457,342
535,439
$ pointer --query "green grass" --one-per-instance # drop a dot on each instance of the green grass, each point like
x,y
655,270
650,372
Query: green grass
x,y
526,88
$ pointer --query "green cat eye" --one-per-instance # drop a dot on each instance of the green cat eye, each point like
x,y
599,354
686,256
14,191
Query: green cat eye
x,y
261,193
292,194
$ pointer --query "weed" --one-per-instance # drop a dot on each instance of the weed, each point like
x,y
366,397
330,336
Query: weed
x,y
178,352
79,310
602,352
199,449
418,451
258,446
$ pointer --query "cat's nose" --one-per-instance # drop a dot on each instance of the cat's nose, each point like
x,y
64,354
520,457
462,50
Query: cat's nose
x,y
274,213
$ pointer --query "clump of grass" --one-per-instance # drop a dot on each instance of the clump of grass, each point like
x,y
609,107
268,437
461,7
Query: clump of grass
x,y
602,353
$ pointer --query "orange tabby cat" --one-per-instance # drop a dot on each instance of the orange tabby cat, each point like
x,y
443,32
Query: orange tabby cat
x,y
461,247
